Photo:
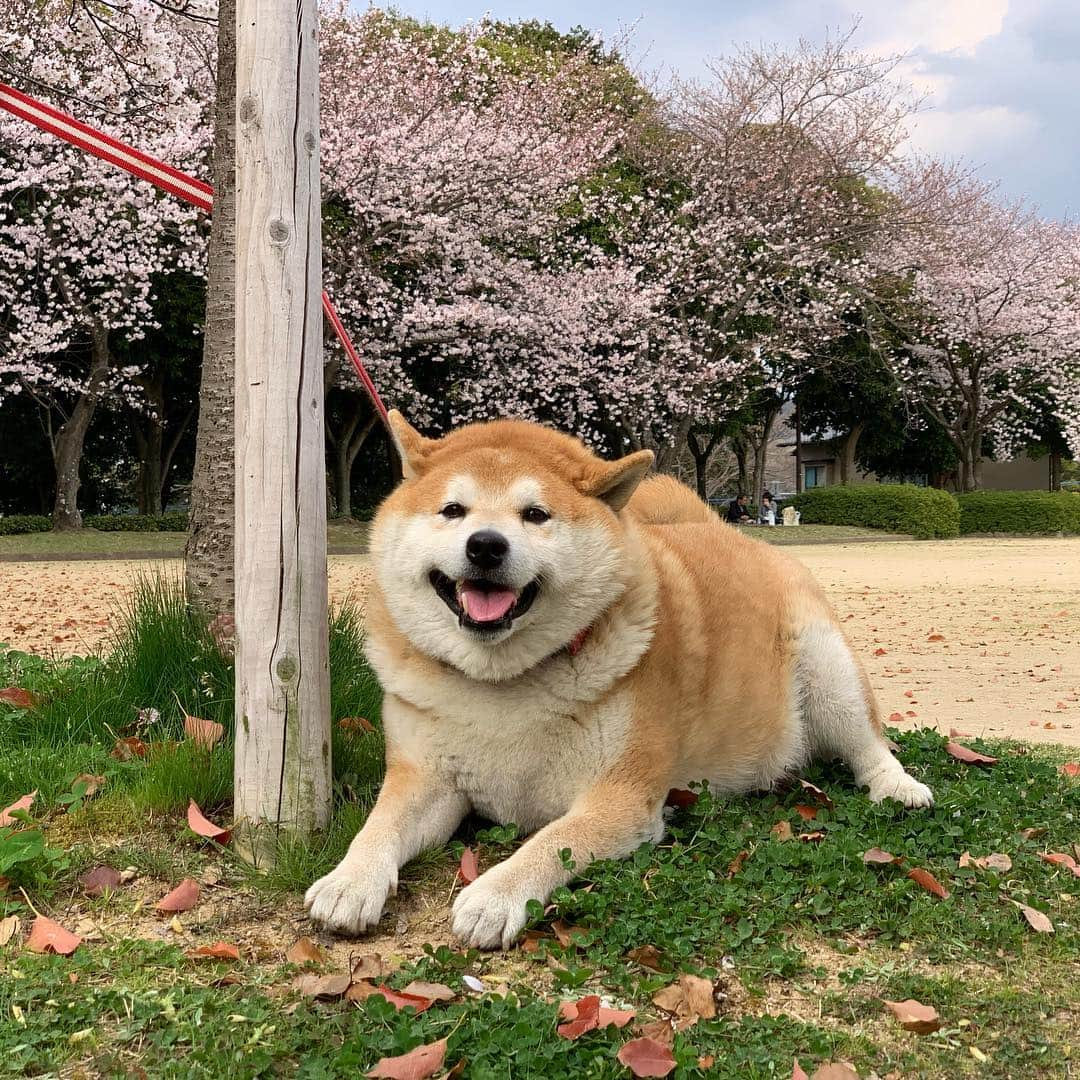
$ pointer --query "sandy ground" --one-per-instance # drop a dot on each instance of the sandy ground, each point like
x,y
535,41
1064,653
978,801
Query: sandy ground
x,y
981,636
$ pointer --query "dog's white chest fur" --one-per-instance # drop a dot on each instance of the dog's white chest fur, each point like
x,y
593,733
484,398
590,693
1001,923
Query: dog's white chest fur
x,y
520,753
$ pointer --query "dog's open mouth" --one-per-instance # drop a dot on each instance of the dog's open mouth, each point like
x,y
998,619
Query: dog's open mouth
x,y
483,605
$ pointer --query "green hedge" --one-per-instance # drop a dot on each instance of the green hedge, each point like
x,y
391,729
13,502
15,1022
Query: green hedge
x,y
1024,512
925,513
174,522
16,524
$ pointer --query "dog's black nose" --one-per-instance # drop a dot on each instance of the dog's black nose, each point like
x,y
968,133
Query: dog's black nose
x,y
486,549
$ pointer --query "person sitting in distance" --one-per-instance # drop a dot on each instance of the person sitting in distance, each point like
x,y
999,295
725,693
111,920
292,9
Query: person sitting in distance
x,y
738,511
767,512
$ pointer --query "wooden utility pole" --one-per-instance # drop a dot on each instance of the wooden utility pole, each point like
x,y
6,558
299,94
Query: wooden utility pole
x,y
282,777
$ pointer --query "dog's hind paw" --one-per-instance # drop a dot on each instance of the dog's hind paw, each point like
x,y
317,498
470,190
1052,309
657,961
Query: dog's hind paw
x,y
350,898
903,788
488,916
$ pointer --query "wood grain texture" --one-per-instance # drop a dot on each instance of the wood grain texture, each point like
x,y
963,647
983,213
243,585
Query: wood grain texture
x,y
282,681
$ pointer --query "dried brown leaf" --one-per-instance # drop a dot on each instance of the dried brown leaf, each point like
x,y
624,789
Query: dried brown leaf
x,y
321,986
203,733
220,950
305,951
1038,922
914,1016
468,868
100,880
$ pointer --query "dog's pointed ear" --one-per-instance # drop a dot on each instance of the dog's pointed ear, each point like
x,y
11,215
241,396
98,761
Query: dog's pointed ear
x,y
412,447
615,481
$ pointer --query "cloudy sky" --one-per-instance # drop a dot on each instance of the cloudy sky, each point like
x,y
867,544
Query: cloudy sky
x,y
1004,75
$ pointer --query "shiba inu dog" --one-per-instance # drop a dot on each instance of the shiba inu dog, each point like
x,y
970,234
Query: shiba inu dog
x,y
562,640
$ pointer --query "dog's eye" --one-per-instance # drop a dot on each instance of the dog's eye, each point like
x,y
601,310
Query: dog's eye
x,y
453,510
534,515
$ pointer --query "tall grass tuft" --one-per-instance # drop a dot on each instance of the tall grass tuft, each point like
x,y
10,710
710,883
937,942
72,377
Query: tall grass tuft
x,y
163,662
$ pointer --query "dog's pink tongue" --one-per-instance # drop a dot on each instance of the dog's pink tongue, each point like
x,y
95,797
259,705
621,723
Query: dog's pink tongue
x,y
486,606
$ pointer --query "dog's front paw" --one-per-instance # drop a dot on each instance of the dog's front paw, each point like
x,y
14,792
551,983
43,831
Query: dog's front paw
x,y
904,789
351,897
489,914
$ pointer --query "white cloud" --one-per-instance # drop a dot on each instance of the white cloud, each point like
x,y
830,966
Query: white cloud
x,y
975,132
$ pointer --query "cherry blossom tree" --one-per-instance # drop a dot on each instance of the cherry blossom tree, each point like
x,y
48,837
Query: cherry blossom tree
x,y
81,243
991,326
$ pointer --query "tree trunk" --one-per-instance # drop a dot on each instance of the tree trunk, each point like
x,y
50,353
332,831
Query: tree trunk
x,y
149,441
741,449
67,444
701,455
282,765
1055,470
208,555
667,454
761,453
346,444
847,455
798,450
970,461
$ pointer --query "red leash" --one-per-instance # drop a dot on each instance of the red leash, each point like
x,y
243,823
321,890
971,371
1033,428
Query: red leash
x,y
163,176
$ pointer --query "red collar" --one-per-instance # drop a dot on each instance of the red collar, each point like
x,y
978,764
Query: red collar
x,y
577,643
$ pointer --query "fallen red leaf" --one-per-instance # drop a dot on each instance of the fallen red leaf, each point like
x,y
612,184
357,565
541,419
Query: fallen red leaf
x,y
606,1017
220,950
305,951
18,697
880,652
807,813
928,882
936,637
399,999
646,1057
129,747
19,804
798,1072
48,936
1056,858
1070,768
966,754
468,869
417,1064
896,718
183,898
204,733
914,1016
354,724
681,798
586,1018
1038,922
202,826
706,1061
782,831
876,857
99,880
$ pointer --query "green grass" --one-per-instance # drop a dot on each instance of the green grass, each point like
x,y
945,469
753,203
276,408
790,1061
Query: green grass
x,y
341,535
803,940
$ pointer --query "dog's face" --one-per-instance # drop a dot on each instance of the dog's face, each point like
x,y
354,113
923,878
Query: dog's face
x,y
502,544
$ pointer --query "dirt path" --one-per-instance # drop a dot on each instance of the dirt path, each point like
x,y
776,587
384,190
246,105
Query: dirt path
x,y
978,635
